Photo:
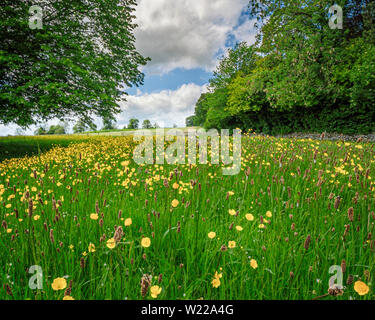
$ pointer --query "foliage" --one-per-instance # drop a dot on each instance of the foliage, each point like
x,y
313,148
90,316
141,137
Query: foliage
x,y
56,129
133,124
146,124
109,123
72,66
301,75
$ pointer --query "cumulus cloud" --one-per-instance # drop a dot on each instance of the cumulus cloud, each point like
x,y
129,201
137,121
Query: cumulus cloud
x,y
166,107
185,33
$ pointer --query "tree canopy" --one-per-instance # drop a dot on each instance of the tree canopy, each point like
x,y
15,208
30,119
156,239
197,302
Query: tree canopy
x,y
77,65
301,74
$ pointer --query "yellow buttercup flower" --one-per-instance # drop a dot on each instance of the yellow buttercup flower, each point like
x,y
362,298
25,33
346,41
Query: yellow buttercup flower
x,y
58,284
239,228
155,291
36,217
9,230
94,216
269,214
128,222
145,242
253,263
91,247
232,212
250,217
175,203
216,280
361,288
212,235
231,244
216,283
175,185
68,298
111,243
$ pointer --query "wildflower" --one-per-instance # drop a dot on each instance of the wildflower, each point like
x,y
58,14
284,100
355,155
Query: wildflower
x,y
91,247
119,233
231,244
145,242
239,228
94,216
307,242
232,212
175,185
250,217
36,217
58,284
269,214
216,280
9,230
145,284
253,263
175,203
212,235
155,291
350,280
68,298
261,226
361,288
128,222
111,243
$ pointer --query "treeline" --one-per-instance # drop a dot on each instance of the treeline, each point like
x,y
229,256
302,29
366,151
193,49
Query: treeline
x,y
300,75
109,124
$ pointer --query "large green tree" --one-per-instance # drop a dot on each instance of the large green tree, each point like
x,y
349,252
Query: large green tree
x,y
78,65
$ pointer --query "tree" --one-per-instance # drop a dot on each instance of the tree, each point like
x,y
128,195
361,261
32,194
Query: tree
x,y
146,124
133,124
73,66
201,109
40,131
79,127
240,58
109,123
190,121
56,129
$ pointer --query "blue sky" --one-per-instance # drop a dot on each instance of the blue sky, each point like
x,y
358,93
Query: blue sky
x,y
184,39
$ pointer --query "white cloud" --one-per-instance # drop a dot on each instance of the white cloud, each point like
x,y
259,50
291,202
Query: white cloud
x,y
185,33
166,107
246,32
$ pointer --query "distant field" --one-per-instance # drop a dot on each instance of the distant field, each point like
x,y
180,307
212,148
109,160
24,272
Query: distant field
x,y
21,146
129,132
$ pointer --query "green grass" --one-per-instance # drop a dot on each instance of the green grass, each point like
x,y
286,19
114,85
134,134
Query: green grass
x,y
21,146
91,176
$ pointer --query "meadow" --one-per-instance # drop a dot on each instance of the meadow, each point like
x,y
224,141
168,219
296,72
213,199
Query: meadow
x,y
102,227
